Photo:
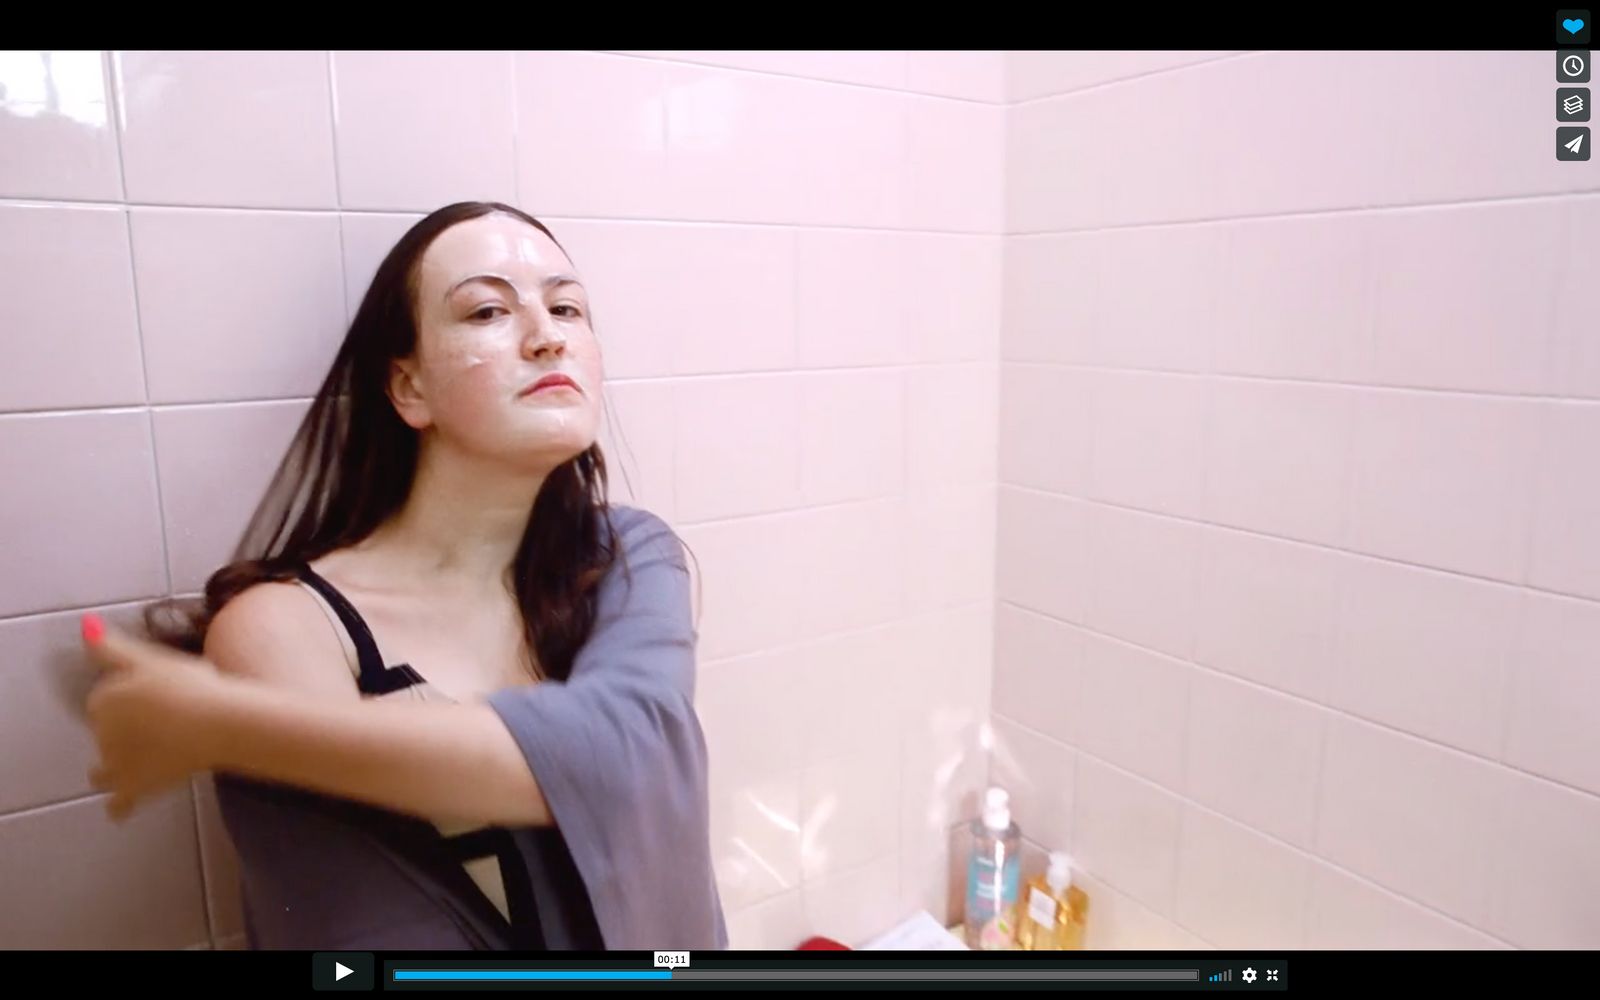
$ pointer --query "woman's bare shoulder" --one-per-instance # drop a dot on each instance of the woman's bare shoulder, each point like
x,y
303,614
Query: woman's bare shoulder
x,y
276,632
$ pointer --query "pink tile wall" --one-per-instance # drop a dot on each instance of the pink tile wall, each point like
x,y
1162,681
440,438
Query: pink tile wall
x,y
1296,560
796,264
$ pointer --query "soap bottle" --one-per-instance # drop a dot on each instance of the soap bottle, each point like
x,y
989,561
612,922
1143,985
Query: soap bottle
x,y
1054,912
992,875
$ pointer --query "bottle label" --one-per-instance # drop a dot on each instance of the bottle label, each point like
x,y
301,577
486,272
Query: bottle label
x,y
992,900
1041,908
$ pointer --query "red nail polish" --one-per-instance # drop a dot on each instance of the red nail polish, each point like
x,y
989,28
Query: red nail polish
x,y
94,629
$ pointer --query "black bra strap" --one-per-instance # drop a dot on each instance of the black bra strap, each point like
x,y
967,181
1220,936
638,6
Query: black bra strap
x,y
372,678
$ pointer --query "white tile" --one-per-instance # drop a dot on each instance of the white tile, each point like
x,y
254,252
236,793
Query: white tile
x,y
1040,773
1051,293
1132,709
747,465
1147,441
1035,74
976,76
1278,458
852,427
952,423
1038,673
869,68
1254,756
1125,831
613,143
1061,173
67,348
851,566
652,284
237,305
1042,554
747,707
215,463
854,693
1575,354
1442,480
1425,652
420,130
949,539
365,240
852,292
74,880
638,439
849,813
1544,878
241,129
1117,922
1464,295
64,150
1156,303
1413,817
1565,550
857,905
778,923
1554,707
46,749
82,495
1296,299
1239,889
1351,914
946,680
1144,578
1266,609
1044,426
955,166
755,835
954,286
748,582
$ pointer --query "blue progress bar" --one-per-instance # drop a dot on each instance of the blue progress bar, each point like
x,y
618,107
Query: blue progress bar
x,y
524,975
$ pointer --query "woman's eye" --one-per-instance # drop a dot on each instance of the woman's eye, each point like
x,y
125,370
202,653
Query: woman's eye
x,y
485,312
572,311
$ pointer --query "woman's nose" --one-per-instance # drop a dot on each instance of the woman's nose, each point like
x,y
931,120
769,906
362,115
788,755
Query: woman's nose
x,y
543,337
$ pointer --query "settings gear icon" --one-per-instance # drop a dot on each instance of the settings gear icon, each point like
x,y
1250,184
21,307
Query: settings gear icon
x,y
1249,975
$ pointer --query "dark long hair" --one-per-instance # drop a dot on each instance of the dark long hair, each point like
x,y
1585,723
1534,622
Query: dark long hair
x,y
351,464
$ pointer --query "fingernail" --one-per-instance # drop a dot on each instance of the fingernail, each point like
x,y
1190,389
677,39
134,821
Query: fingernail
x,y
94,629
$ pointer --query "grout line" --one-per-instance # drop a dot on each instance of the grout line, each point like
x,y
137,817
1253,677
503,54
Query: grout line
x,y
1322,546
1313,213
1420,390
1330,710
722,67
1018,102
200,852
1188,803
119,99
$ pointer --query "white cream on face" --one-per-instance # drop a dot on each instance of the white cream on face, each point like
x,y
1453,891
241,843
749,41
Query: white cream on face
x,y
498,307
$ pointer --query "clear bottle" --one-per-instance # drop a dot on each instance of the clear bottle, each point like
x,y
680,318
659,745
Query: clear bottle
x,y
992,875
1054,912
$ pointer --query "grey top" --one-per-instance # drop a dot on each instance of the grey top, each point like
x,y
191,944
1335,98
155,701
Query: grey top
x,y
617,751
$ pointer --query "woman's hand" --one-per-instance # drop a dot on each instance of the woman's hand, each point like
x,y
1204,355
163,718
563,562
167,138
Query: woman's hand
x,y
146,712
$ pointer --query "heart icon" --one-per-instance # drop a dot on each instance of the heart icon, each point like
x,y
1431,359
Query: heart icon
x,y
1573,24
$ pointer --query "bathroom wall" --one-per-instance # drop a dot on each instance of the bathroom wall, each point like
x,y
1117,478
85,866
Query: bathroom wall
x,y
795,264
1298,557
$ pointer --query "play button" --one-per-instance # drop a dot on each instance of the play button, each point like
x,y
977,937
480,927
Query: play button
x,y
342,970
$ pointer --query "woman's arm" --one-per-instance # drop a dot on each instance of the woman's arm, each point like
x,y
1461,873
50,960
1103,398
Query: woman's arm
x,y
160,715
437,761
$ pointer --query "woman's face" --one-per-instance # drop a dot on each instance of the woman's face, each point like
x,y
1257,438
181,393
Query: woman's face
x,y
498,308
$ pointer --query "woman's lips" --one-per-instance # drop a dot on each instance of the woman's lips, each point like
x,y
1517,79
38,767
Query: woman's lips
x,y
549,383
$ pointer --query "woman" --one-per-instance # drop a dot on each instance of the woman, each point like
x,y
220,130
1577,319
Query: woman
x,y
447,689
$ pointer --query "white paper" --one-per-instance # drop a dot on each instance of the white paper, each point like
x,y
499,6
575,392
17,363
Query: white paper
x,y
919,932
